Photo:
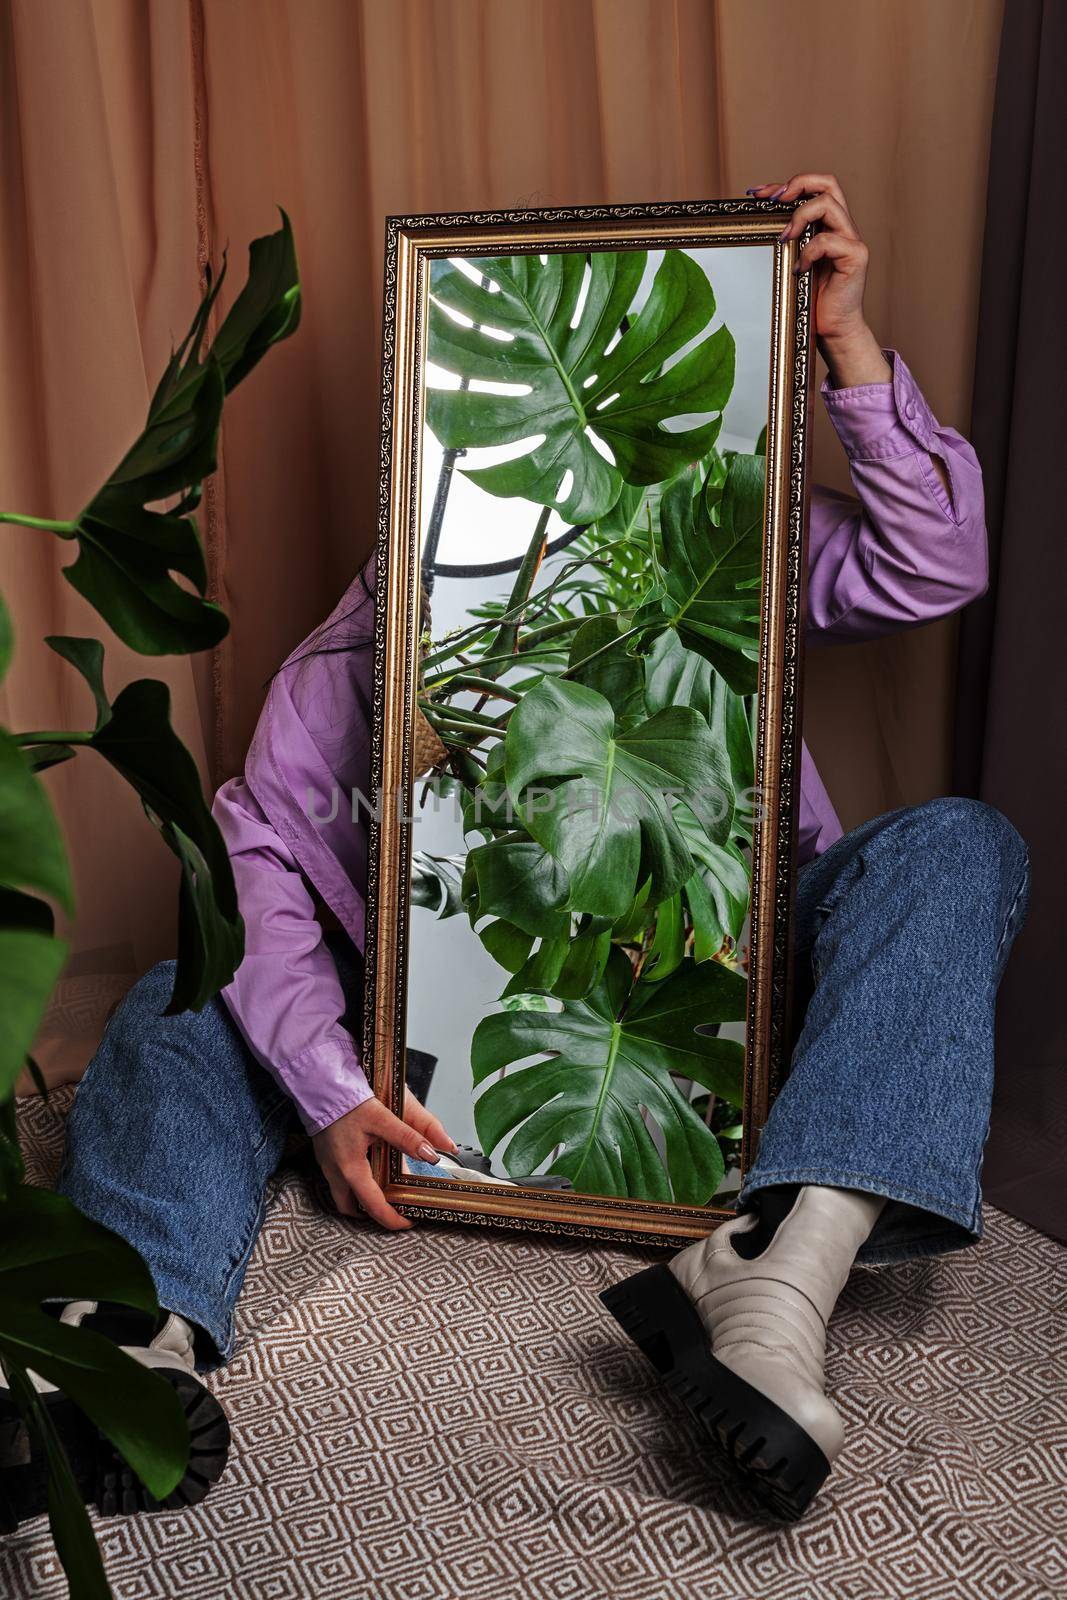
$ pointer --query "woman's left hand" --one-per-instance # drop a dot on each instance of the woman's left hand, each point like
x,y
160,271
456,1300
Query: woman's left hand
x,y
839,258
343,1152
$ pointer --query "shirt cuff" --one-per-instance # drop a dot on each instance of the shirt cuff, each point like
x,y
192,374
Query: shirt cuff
x,y
325,1082
875,421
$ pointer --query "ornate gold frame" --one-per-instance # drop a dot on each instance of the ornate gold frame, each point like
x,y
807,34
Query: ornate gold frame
x,y
410,243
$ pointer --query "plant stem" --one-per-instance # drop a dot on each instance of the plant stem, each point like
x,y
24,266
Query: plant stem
x,y
48,736
66,530
461,715
491,690
488,661
466,637
508,633
604,648
466,767
527,646
551,630
461,725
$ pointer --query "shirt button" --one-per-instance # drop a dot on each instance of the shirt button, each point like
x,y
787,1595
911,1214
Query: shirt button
x,y
909,410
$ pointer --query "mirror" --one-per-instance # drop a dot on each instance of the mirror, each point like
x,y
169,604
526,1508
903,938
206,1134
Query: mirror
x,y
586,710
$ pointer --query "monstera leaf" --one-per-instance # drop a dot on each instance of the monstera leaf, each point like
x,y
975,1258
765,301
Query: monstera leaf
x,y
610,1055
49,1250
143,570
718,893
129,549
712,569
614,673
487,807
31,960
31,849
31,857
515,881
675,676
575,379
603,803
140,743
514,877
436,883
135,736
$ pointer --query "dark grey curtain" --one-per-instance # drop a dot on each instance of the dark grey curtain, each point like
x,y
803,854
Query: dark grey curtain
x,y
1012,699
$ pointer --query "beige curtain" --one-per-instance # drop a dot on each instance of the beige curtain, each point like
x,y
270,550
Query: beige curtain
x,y
139,136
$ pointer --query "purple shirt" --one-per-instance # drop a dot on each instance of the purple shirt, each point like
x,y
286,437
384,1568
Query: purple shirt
x,y
903,553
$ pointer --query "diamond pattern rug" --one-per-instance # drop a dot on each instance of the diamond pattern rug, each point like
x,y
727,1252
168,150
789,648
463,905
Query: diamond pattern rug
x,y
451,1413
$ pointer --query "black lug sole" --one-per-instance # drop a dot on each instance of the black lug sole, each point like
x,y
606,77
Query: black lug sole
x,y
102,1475
779,1461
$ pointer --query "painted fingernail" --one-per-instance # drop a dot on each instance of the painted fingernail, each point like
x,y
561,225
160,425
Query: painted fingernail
x,y
426,1152
453,1147
778,192
785,232
753,191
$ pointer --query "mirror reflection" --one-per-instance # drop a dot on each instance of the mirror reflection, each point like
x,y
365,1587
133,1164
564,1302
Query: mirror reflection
x,y
591,534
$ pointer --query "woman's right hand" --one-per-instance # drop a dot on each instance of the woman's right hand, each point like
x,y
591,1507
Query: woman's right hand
x,y
343,1152
837,257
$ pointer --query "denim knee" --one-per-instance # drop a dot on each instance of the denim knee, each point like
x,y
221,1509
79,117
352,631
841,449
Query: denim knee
x,y
142,1006
150,995
139,1037
978,833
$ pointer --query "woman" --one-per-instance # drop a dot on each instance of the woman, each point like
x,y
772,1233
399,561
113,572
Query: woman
x,y
873,1147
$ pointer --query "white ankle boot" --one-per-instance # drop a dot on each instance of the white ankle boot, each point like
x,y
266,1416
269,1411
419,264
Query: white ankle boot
x,y
742,1341
171,1347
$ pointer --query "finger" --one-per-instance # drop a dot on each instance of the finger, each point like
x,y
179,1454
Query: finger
x,y
380,1123
822,208
437,1134
832,247
341,1194
432,1130
814,183
372,1200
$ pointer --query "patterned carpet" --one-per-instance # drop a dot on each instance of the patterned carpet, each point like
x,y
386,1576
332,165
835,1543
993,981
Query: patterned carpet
x,y
452,1414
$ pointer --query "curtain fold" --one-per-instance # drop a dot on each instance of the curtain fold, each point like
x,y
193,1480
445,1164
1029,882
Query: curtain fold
x,y
1011,747
97,270
140,136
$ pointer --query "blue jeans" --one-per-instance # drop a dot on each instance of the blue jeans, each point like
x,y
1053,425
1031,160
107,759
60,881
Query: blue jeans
x,y
904,927
174,1134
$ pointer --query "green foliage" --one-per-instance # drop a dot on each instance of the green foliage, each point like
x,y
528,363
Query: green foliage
x,y
711,553
30,963
135,736
604,572
608,823
77,1549
609,1055
606,765
31,849
573,381
436,883
128,550
515,876
49,1250
616,675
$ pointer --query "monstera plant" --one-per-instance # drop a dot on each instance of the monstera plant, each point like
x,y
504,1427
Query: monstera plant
x,y
598,725
560,348
135,533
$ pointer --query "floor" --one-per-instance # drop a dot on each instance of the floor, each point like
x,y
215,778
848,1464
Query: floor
x,y
451,1413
